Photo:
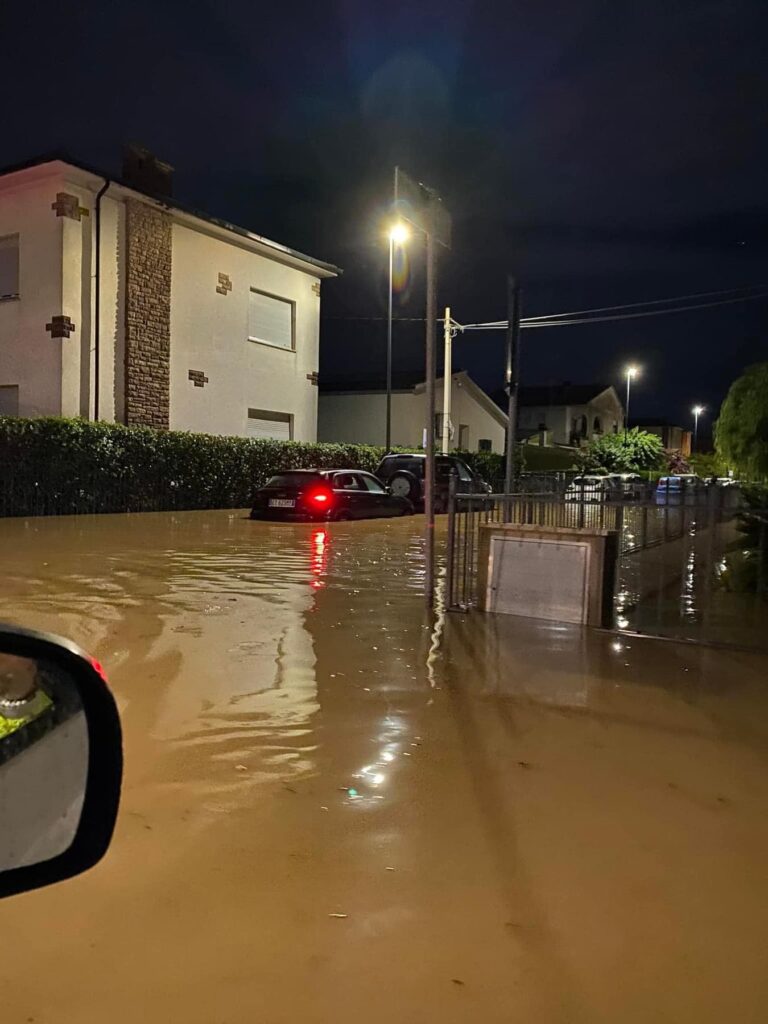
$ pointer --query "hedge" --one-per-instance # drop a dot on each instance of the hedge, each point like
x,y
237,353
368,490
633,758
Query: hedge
x,y
54,466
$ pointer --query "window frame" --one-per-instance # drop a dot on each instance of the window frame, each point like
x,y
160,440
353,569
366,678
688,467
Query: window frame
x,y
270,416
277,298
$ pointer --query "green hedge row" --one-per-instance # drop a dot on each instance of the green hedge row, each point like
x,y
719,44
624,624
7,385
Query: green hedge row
x,y
52,466
61,466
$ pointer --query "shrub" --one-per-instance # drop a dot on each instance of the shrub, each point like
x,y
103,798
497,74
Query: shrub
x,y
53,466
627,452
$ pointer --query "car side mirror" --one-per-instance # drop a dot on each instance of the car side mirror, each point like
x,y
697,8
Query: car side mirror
x,y
61,761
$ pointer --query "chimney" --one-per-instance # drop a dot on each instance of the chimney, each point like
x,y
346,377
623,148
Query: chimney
x,y
143,171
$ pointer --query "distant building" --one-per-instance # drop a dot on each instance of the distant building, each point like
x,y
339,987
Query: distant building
x,y
674,438
118,303
572,413
354,412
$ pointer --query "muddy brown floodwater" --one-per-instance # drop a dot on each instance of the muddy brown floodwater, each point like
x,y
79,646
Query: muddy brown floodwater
x,y
339,810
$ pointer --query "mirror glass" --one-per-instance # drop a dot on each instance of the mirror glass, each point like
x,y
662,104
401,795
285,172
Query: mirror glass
x,y
43,760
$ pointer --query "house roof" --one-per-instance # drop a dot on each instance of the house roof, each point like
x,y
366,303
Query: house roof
x,y
405,382
327,269
560,394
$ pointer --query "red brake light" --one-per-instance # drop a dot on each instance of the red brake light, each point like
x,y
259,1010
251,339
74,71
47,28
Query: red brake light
x,y
320,497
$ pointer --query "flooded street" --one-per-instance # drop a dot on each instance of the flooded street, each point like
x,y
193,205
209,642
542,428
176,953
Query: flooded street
x,y
338,808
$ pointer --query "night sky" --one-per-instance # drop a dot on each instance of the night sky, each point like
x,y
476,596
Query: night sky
x,y
605,152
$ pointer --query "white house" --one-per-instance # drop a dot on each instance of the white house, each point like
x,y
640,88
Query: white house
x,y
117,303
572,413
355,413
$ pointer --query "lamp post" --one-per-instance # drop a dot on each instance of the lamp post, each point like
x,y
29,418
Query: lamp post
x,y
398,235
697,411
631,372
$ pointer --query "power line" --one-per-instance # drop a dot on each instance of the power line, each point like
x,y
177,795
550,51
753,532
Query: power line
x,y
651,302
560,319
532,322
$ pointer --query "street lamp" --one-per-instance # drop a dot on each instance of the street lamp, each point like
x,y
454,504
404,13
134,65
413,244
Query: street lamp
x,y
697,411
398,235
631,372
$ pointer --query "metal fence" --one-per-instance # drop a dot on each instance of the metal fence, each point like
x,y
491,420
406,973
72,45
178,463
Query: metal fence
x,y
711,513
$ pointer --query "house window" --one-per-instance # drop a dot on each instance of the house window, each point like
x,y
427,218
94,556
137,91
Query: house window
x,y
9,267
464,437
597,426
9,399
277,426
485,445
271,320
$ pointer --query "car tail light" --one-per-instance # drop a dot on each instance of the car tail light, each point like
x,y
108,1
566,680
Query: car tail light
x,y
320,499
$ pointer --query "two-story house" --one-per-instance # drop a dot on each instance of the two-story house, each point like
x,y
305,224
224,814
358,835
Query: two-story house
x,y
572,413
119,303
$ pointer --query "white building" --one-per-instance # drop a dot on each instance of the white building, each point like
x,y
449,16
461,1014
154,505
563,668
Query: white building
x,y
117,303
354,413
571,413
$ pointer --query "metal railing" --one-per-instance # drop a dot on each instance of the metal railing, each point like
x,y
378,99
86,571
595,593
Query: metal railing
x,y
640,524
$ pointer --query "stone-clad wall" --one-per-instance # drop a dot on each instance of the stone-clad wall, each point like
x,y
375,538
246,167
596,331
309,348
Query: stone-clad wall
x,y
147,316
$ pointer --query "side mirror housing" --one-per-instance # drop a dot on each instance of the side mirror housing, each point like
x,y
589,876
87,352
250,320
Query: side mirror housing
x,y
60,760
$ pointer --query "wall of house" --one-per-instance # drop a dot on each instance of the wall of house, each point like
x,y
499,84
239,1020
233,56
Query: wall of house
x,y
556,417
465,410
30,358
360,418
209,336
561,419
610,413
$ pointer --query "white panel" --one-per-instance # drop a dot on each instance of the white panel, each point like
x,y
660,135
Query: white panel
x,y
544,579
277,429
270,320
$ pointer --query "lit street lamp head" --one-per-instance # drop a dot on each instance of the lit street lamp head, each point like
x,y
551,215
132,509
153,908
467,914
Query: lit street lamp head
x,y
632,371
698,410
399,233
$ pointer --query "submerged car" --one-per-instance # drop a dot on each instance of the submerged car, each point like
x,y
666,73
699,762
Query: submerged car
x,y
593,487
681,489
327,494
404,475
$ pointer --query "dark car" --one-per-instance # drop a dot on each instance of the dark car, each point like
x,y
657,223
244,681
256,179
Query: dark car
x,y
302,494
404,475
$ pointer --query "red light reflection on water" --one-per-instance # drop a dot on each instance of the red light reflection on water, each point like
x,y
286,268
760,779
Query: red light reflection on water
x,y
318,557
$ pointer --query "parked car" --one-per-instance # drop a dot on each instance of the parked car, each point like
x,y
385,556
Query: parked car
x,y
680,489
627,486
404,475
304,494
592,487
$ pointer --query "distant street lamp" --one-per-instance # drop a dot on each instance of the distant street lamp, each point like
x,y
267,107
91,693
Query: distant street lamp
x,y
697,411
631,372
398,235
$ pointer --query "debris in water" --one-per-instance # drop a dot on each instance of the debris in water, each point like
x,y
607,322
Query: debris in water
x,y
339,915
389,869
457,981
241,767
323,807
524,764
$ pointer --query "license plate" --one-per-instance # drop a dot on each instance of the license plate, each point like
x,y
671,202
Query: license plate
x,y
282,503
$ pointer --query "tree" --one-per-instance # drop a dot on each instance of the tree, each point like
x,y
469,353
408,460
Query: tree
x,y
624,453
741,431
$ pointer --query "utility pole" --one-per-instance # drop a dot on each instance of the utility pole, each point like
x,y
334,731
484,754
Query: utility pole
x,y
388,441
512,379
447,378
429,468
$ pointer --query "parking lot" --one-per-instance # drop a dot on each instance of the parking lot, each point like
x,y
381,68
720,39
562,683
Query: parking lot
x,y
339,807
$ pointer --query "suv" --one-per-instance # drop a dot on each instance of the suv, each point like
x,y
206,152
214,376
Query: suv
x,y
404,475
